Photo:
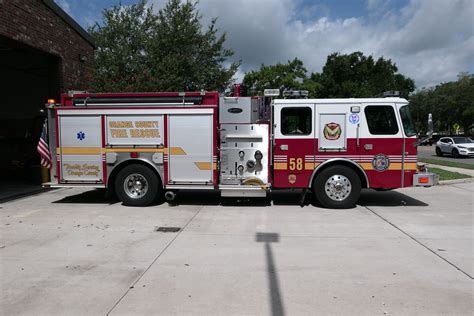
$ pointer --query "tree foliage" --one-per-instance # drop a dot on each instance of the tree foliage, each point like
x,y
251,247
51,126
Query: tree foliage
x,y
356,75
451,104
138,50
291,75
353,75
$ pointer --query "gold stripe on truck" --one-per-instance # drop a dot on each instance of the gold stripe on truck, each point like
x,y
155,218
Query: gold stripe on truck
x,y
205,165
410,166
392,166
136,150
99,150
176,151
280,166
79,150
310,165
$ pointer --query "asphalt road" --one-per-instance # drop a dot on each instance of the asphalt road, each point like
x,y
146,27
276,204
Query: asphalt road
x,y
429,152
403,252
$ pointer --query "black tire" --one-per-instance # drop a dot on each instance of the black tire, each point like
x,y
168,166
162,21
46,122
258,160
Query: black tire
x,y
329,195
145,190
455,153
438,152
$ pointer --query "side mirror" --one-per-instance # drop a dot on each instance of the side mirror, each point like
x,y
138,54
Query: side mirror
x,y
430,125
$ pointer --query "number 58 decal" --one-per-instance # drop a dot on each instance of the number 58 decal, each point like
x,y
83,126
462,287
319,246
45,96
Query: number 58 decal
x,y
296,163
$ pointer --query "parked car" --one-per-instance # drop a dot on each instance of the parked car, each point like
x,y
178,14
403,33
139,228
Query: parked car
x,y
457,146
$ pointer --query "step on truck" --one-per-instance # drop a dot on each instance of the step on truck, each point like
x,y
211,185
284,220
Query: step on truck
x,y
144,145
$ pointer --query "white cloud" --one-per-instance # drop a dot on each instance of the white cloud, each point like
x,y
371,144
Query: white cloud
x,y
430,41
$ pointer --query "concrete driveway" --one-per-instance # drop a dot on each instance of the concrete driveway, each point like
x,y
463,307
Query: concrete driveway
x,y
402,252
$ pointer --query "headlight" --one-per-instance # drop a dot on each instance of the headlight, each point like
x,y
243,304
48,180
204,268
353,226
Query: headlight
x,y
462,147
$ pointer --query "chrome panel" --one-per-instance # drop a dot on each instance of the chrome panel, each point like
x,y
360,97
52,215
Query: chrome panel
x,y
242,191
433,179
238,110
240,144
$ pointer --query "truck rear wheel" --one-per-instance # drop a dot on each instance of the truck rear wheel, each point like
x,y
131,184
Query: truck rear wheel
x,y
137,185
337,187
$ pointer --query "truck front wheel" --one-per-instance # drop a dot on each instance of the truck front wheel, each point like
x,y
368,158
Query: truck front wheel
x,y
136,185
337,187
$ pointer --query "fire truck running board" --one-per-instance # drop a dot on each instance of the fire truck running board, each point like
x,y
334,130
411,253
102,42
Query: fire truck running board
x,y
72,185
239,191
189,187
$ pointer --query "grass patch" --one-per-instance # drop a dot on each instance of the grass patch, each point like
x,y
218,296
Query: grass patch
x,y
446,163
448,175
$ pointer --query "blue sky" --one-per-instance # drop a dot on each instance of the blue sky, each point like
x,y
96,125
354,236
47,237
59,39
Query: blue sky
x,y
87,12
431,41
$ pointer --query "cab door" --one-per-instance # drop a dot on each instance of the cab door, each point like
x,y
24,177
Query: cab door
x,y
294,145
382,146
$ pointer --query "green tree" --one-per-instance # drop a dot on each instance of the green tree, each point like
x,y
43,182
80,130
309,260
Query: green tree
x,y
138,50
420,108
451,103
343,76
291,75
356,75
121,60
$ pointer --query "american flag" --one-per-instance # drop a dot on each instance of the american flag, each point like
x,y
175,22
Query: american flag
x,y
43,148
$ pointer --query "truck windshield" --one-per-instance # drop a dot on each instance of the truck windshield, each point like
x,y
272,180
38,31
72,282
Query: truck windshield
x,y
407,121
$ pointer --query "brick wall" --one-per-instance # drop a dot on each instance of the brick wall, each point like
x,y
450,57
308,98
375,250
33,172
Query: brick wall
x,y
33,23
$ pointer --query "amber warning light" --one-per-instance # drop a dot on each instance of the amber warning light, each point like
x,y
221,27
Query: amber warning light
x,y
51,101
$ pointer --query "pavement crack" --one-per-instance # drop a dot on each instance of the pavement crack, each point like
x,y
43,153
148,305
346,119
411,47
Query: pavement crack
x,y
419,242
153,262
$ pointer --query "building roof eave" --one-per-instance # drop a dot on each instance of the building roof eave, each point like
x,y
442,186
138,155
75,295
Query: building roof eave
x,y
70,21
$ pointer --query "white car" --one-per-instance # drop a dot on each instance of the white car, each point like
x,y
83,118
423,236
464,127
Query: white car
x,y
456,146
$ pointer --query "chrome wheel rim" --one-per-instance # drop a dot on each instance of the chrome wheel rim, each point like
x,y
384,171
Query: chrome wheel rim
x,y
135,186
338,187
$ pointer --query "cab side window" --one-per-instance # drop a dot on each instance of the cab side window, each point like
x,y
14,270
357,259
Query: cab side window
x,y
296,121
381,120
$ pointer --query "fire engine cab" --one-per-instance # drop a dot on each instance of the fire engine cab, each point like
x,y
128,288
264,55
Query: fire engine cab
x,y
143,145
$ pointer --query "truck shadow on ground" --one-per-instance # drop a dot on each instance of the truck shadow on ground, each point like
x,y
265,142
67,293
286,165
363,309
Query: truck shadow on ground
x,y
283,197
387,198
96,196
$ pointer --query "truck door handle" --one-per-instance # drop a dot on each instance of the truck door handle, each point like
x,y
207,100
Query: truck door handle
x,y
284,147
368,146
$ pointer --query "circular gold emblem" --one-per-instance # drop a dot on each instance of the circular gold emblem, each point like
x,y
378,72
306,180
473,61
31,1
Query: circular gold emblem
x,y
332,131
292,178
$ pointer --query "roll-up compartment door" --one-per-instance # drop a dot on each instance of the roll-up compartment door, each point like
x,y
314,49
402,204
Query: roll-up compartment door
x,y
80,148
190,139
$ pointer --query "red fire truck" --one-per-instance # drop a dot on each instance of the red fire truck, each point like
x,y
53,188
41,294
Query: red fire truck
x,y
144,145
